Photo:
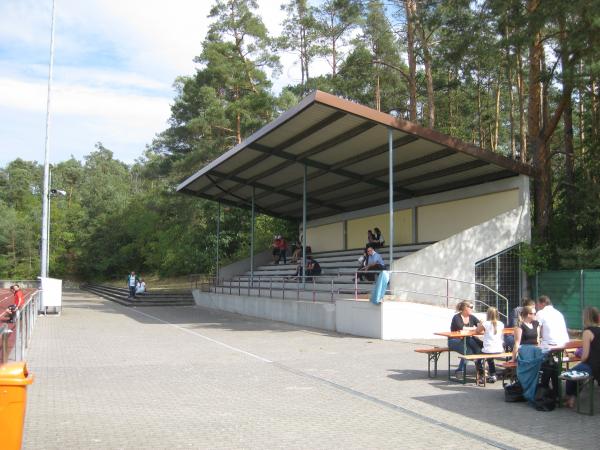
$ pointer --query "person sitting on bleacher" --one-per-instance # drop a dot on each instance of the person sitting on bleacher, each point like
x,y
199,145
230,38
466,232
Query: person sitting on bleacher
x,y
141,287
590,358
297,252
313,268
374,263
378,240
375,238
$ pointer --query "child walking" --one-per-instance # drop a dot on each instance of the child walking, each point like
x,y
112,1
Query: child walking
x,y
493,341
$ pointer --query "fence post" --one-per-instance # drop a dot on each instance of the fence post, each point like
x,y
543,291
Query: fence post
x,y
4,346
581,296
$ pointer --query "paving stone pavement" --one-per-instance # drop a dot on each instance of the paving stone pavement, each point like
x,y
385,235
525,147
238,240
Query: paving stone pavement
x,y
111,377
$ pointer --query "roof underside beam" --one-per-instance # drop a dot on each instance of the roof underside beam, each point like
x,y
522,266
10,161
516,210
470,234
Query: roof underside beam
x,y
268,188
352,160
290,158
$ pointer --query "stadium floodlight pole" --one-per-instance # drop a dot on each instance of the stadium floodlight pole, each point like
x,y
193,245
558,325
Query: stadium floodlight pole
x,y
46,191
48,225
391,185
52,193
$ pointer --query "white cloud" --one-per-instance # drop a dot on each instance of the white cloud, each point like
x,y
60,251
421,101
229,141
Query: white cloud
x,y
115,62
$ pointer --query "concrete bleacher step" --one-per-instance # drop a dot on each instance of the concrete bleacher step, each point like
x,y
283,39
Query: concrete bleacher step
x,y
338,267
158,298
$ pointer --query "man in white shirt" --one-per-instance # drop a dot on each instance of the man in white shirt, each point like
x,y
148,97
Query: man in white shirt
x,y
552,322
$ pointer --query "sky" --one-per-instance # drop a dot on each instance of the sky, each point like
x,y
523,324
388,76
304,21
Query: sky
x,y
115,62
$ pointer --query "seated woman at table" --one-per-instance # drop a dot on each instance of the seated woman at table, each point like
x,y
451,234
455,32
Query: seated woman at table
x,y
493,332
464,320
590,358
513,321
527,332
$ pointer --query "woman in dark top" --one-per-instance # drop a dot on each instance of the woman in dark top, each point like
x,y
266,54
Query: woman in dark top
x,y
590,359
464,320
527,332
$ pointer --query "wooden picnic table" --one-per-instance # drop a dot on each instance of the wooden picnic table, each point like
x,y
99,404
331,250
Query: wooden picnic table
x,y
463,334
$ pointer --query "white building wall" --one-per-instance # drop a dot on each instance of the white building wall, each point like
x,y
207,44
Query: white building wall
x,y
455,258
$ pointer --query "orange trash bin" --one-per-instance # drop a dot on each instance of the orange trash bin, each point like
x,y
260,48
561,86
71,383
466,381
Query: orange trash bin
x,y
14,379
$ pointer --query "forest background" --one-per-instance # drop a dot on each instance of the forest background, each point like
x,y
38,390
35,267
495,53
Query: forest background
x,y
517,77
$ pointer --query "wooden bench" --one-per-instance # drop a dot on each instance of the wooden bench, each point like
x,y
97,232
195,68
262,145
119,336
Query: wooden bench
x,y
433,354
484,356
510,371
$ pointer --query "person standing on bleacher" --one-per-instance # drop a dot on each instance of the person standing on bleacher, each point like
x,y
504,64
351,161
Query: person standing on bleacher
x,y
132,281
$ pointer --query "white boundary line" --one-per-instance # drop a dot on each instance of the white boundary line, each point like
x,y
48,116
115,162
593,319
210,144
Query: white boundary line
x,y
214,341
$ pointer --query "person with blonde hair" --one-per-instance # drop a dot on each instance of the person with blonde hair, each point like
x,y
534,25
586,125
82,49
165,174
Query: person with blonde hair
x,y
493,342
590,359
465,320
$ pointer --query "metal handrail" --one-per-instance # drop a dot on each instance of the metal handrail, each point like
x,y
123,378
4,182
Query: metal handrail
x,y
22,330
448,296
256,282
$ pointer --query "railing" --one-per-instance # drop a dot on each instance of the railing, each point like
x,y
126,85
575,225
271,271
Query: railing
x,y
270,285
15,340
446,282
292,286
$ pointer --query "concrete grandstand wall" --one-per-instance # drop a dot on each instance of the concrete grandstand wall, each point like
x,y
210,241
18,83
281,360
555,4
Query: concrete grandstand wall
x,y
455,258
420,219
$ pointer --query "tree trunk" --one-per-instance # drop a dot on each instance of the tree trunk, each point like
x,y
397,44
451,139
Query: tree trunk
x,y
538,148
497,121
377,94
581,112
511,98
568,72
479,120
411,7
521,95
429,78
450,113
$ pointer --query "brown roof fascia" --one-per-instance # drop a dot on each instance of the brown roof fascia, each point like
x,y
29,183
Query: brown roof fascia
x,y
422,132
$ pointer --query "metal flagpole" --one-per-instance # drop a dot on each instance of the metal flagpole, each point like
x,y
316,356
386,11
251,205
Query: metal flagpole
x,y
391,183
46,192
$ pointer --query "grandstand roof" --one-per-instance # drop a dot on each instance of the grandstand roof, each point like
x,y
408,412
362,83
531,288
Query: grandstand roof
x,y
344,147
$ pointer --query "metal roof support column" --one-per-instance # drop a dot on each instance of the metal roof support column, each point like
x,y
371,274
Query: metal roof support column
x,y
391,195
304,237
218,239
252,242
